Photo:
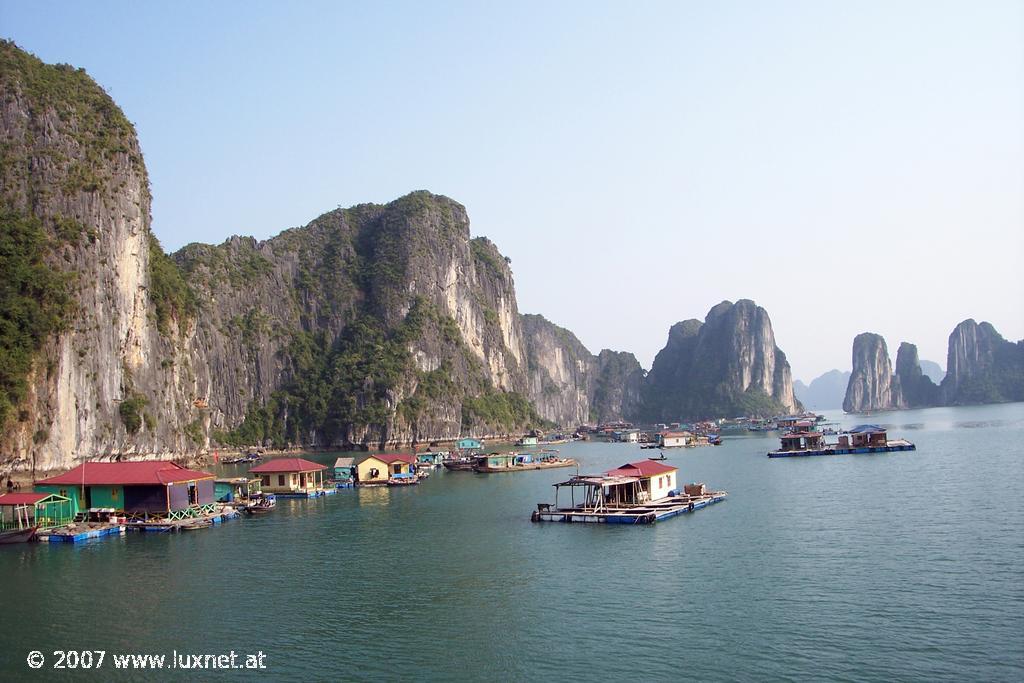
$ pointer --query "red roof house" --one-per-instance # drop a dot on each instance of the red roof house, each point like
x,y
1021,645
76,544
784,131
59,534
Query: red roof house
x,y
287,465
291,476
157,487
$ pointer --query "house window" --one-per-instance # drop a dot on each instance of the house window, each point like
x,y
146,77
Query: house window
x,y
63,493
113,494
280,480
265,480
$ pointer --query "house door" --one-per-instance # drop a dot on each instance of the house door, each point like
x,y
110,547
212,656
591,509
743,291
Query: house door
x,y
88,497
193,496
302,480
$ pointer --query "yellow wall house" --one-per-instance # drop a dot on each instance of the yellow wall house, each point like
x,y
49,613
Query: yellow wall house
x,y
290,475
378,469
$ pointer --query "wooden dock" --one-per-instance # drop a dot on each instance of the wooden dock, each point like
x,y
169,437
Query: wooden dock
x,y
647,513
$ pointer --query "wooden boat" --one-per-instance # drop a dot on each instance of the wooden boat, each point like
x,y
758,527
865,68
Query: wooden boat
x,y
459,465
512,462
18,535
196,525
261,505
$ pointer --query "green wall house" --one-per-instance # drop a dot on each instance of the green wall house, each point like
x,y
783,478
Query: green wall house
x,y
156,487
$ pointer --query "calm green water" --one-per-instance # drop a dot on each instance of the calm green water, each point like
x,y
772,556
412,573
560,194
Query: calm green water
x,y
889,567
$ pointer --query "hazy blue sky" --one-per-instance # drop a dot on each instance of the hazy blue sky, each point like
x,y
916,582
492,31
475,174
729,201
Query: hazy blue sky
x,y
851,167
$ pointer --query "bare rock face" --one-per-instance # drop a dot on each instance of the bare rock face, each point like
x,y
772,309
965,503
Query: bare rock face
x,y
569,385
916,389
377,324
110,383
982,367
727,365
871,382
617,390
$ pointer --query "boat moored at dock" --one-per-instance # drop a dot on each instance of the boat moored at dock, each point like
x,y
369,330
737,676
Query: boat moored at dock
x,y
860,439
518,462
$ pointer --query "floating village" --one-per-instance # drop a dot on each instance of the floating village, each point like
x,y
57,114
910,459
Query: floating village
x,y
98,498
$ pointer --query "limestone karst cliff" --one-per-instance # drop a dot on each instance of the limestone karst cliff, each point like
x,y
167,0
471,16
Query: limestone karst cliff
x,y
871,381
727,365
370,325
104,379
916,389
982,366
569,385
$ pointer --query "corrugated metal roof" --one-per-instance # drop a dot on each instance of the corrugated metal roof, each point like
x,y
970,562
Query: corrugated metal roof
x,y
149,472
344,462
866,429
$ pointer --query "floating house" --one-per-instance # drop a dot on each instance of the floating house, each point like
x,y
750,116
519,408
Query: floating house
x,y
675,439
430,459
860,439
292,477
654,480
236,489
640,492
344,471
24,512
470,444
629,436
527,441
152,487
381,469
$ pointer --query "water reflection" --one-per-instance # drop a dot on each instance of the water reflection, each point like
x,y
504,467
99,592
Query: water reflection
x,y
373,496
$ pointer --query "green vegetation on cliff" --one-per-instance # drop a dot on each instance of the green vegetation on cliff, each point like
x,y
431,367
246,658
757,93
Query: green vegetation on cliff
x,y
34,303
85,112
336,389
170,293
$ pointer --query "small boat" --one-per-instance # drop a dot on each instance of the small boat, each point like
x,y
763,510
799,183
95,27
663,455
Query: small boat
x,y
662,457
459,465
196,525
18,535
260,505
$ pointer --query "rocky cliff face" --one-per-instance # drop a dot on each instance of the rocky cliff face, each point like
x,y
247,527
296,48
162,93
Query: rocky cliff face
x,y
871,382
571,386
377,324
369,325
110,383
915,388
727,365
617,390
982,367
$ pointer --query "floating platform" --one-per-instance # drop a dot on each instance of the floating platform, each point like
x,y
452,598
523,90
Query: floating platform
x,y
307,494
344,485
891,447
648,513
66,537
540,465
